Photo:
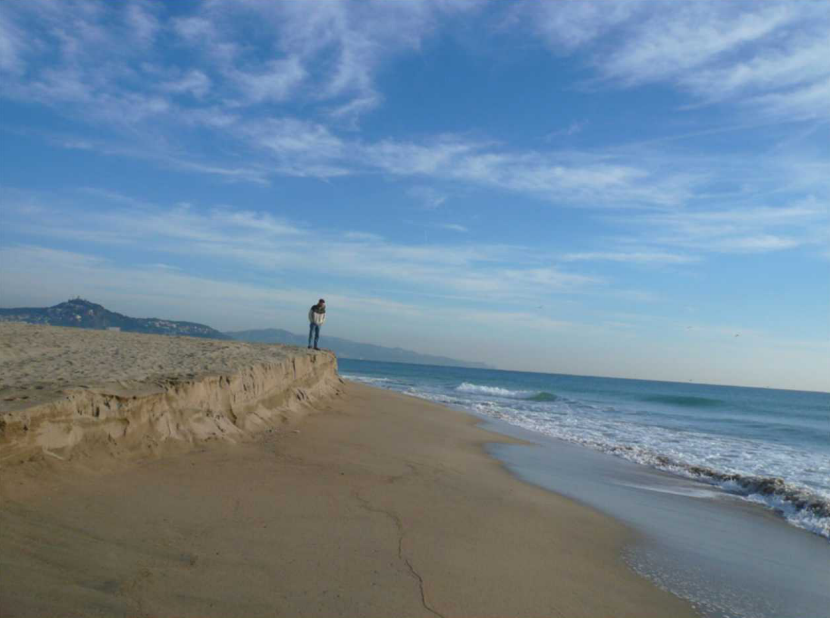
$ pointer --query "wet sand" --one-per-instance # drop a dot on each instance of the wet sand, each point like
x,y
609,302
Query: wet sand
x,y
376,504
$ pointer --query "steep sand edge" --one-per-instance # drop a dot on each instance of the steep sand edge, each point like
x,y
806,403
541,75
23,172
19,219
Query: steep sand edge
x,y
146,413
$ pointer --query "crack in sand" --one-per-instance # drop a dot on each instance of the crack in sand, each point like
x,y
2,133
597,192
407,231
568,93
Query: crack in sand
x,y
401,533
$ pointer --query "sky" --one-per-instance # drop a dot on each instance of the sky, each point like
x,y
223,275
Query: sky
x,y
630,189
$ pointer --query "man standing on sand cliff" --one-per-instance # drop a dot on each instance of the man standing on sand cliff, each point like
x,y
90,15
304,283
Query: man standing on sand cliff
x,y
316,318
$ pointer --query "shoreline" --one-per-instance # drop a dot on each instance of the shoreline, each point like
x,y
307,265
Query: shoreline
x,y
698,543
375,504
694,539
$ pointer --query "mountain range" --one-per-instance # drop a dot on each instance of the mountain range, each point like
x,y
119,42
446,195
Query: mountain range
x,y
82,313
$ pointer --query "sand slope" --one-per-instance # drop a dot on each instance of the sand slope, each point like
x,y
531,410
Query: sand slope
x,y
65,390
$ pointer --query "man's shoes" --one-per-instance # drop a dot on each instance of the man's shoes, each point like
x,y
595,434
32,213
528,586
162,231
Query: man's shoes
x,y
309,347
316,348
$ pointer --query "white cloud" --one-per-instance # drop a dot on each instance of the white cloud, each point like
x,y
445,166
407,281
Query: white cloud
x,y
747,230
770,56
276,81
325,57
755,244
635,257
195,29
335,49
799,61
194,82
101,61
409,158
362,236
571,129
261,242
142,22
429,197
453,227
676,40
569,25
808,102
541,280
292,137
360,36
43,257
357,107
564,177
232,174
259,222
299,148
11,46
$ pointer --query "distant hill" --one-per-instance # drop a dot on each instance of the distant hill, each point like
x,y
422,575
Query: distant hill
x,y
84,314
352,349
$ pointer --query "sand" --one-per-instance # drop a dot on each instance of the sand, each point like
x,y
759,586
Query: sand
x,y
64,391
39,363
374,504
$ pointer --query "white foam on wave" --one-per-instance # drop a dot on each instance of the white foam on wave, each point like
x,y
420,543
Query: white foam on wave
x,y
680,452
493,391
364,379
802,518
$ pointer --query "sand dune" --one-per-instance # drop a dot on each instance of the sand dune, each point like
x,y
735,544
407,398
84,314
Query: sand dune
x,y
64,389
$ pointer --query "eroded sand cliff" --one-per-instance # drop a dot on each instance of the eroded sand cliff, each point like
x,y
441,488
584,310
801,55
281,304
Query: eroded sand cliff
x,y
65,391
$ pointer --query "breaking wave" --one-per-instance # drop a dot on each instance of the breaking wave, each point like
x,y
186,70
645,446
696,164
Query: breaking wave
x,y
802,507
496,391
798,504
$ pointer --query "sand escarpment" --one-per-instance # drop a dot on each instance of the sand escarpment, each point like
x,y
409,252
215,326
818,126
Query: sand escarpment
x,y
65,392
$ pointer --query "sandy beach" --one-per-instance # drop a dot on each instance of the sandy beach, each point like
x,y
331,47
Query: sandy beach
x,y
364,503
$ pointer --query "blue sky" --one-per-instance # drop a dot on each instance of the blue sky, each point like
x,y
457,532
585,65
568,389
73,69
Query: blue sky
x,y
626,189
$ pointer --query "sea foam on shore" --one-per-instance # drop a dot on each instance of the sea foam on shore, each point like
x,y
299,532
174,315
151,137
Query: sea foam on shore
x,y
766,446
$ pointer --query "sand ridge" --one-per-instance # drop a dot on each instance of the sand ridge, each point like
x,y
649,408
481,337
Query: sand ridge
x,y
38,362
64,391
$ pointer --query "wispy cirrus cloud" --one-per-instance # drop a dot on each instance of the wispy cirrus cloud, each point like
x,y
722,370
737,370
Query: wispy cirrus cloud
x,y
738,230
768,56
132,62
567,177
260,242
276,81
454,227
299,148
324,56
572,129
325,53
631,257
11,46
429,197
106,51
177,89
193,82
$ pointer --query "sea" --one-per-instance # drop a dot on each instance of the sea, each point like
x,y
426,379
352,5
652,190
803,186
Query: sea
x,y
727,487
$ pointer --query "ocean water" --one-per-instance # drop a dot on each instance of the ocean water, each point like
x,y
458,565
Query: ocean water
x,y
770,447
